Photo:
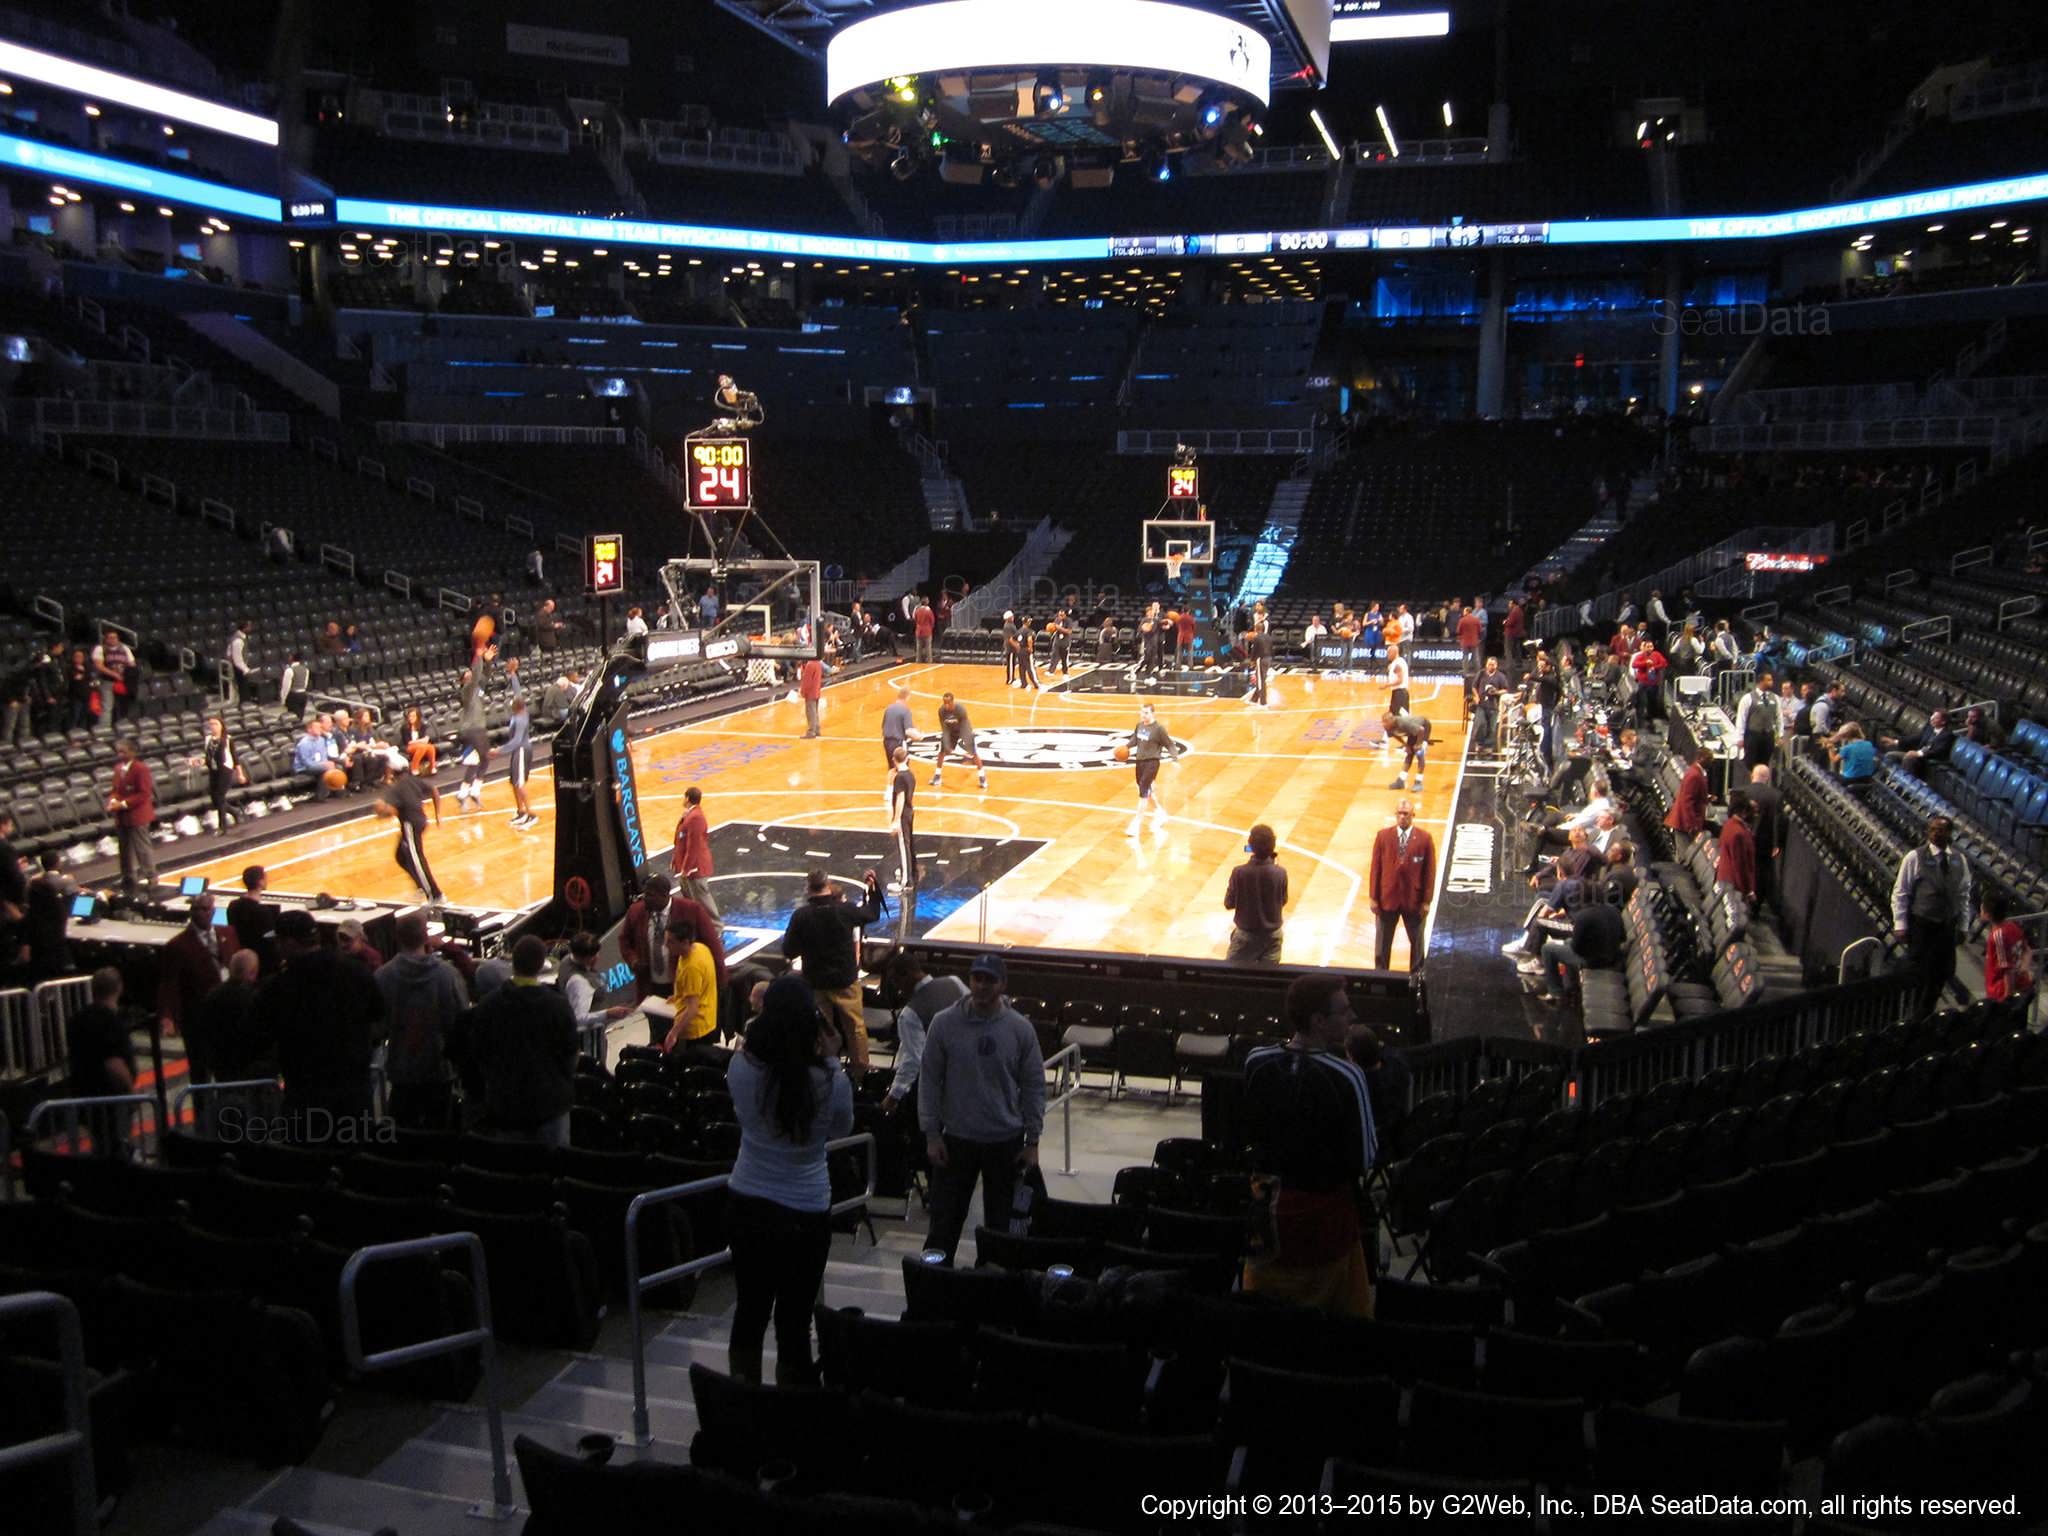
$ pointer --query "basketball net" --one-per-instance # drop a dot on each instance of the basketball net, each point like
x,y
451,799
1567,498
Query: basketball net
x,y
1173,565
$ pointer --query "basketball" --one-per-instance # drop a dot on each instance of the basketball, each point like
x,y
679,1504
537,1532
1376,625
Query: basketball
x,y
334,779
1123,751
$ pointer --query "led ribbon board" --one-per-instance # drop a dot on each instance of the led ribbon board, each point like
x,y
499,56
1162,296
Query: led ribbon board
x,y
962,36
60,164
123,90
360,213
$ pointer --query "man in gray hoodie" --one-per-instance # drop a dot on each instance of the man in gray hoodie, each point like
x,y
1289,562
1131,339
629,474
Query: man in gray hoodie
x,y
423,996
981,1103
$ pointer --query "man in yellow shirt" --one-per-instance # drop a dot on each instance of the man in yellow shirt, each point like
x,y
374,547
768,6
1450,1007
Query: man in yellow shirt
x,y
696,992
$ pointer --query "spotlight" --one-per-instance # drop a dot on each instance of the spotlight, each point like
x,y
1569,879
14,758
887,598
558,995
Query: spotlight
x,y
1098,90
903,88
1212,111
1051,99
1159,166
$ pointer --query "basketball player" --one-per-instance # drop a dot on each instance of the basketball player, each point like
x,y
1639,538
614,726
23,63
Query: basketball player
x,y
1412,732
956,730
1149,746
519,748
1149,637
1261,647
1027,660
902,791
1397,679
405,798
473,731
1061,628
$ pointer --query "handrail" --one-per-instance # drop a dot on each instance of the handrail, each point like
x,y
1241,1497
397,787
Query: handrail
x,y
485,1342
1065,1064
638,1285
190,1091
1842,963
74,1441
1978,554
74,1111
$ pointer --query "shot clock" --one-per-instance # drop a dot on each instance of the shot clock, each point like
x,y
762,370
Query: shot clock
x,y
607,565
720,474
1183,482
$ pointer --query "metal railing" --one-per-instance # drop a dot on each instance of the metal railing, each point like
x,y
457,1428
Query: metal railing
x,y
54,1002
638,1285
189,1100
102,1117
479,1338
1065,1065
17,1033
73,1443
1279,440
135,418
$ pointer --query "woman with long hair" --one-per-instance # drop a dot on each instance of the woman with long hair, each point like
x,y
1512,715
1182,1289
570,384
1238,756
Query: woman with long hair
x,y
417,743
791,1098
224,770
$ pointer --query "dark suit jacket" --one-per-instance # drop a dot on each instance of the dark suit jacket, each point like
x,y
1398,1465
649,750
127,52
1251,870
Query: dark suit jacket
x,y
1399,884
1770,818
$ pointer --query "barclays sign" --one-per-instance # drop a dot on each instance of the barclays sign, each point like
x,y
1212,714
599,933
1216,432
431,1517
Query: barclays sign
x,y
629,798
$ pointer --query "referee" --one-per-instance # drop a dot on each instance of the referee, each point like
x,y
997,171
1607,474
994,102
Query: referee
x,y
405,797
1149,745
902,794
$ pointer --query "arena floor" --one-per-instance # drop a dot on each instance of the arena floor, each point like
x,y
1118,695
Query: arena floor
x,y
1039,858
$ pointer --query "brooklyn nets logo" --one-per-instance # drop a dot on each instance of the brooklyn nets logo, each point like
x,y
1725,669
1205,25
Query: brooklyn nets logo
x,y
1013,746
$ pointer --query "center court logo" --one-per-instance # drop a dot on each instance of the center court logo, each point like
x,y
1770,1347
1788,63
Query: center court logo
x,y
1060,747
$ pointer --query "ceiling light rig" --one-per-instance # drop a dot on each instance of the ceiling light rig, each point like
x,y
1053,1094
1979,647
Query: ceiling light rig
x,y
990,92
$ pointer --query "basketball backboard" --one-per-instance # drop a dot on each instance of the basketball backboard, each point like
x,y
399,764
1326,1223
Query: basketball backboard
x,y
1192,540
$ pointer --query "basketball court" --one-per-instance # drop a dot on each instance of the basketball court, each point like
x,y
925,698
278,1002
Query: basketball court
x,y
1038,859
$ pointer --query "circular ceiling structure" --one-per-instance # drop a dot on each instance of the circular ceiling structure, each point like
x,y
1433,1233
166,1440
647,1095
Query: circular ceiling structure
x,y
1008,89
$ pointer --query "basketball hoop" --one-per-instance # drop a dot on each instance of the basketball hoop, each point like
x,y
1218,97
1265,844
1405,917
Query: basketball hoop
x,y
1173,565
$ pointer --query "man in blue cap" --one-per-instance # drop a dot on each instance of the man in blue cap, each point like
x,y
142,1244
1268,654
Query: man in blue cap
x,y
981,1103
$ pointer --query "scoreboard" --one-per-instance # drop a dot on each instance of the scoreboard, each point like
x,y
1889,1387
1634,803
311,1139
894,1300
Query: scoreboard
x,y
719,476
605,565
1183,483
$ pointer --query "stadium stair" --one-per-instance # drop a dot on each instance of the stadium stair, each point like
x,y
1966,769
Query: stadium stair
x,y
1276,540
945,500
427,1485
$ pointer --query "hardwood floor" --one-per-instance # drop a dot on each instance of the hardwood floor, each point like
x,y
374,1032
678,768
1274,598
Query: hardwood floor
x,y
1311,766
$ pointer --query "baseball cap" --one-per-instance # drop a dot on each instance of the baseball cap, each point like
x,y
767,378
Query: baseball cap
x,y
991,966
